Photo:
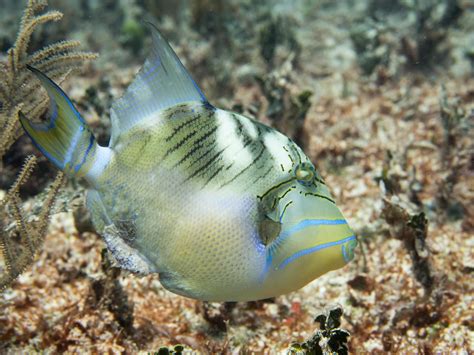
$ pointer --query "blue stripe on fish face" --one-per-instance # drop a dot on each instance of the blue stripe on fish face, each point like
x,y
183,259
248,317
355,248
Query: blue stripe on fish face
x,y
316,248
296,228
308,223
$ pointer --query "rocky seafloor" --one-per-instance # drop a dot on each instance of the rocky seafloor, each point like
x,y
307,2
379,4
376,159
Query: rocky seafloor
x,y
388,124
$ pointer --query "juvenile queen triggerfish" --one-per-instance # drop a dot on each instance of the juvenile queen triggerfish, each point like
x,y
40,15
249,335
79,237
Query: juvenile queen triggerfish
x,y
223,207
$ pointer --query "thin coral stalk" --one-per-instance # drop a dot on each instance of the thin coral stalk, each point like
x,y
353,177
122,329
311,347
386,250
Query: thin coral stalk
x,y
48,204
24,174
8,132
24,36
52,49
20,221
64,60
37,108
6,251
3,83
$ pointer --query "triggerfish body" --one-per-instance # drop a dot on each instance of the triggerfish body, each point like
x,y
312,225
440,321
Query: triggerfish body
x,y
223,207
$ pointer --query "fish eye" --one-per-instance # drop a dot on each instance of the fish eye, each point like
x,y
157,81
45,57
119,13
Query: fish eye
x,y
305,174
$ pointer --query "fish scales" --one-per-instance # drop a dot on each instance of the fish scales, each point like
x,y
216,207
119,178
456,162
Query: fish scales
x,y
223,207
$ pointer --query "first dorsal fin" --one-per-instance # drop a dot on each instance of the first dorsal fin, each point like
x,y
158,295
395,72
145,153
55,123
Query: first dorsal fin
x,y
162,82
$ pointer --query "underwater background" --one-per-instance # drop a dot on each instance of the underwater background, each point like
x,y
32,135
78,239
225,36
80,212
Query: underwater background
x,y
378,93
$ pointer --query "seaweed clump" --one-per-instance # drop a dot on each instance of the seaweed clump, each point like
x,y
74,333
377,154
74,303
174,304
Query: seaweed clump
x,y
329,339
107,293
287,111
412,229
407,222
278,32
432,19
20,234
454,199
405,35
175,350
280,50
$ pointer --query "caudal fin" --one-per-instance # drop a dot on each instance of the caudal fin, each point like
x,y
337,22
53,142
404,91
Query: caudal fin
x,y
66,139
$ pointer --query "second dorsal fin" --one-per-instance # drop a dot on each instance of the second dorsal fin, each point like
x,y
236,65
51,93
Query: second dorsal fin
x,y
162,82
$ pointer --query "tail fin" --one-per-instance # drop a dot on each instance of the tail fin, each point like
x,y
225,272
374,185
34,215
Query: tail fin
x,y
66,140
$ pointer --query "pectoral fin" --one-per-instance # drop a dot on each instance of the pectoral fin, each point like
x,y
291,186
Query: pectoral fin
x,y
269,229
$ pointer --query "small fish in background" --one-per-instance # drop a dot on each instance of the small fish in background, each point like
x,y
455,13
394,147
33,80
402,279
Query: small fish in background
x,y
223,207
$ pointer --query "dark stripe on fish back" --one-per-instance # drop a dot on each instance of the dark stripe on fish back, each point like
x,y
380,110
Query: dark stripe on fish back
x,y
180,143
254,145
206,164
320,196
264,175
240,126
261,153
176,130
191,132
210,178
198,144
211,147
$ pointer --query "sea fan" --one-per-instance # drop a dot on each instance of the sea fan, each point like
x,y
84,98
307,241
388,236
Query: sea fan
x,y
19,238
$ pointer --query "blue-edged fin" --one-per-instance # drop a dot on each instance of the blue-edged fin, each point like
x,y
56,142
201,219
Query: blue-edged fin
x,y
65,140
162,82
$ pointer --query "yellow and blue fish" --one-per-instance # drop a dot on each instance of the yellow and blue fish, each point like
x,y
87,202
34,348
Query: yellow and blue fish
x,y
223,207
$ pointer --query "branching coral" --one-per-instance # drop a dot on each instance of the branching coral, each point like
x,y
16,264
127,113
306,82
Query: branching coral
x,y
18,92
20,240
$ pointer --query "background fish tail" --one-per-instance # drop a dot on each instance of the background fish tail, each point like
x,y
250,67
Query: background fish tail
x,y
65,140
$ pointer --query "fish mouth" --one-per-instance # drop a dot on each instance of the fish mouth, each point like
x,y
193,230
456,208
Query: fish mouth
x,y
348,248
